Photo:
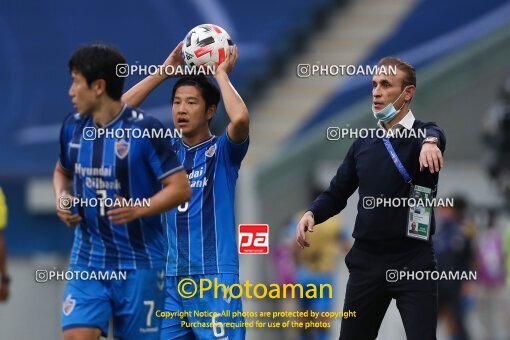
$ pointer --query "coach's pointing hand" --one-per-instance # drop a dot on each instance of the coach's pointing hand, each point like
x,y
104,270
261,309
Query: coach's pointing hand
x,y
305,224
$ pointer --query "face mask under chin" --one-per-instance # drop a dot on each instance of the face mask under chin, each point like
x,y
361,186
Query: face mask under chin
x,y
389,112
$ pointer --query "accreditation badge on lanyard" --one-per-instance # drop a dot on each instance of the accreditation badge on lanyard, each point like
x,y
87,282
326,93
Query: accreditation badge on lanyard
x,y
419,216
418,221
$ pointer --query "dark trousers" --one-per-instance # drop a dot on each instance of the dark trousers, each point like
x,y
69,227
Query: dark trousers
x,y
369,293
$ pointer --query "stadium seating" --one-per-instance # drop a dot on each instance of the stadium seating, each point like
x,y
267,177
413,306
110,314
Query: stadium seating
x,y
419,42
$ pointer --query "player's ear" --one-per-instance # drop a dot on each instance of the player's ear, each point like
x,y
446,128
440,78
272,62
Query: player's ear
x,y
99,86
211,110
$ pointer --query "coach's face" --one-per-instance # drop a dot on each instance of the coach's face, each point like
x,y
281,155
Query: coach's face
x,y
83,96
386,89
188,110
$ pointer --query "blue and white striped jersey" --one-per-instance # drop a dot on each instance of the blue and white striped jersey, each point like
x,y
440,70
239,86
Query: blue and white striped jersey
x,y
107,166
202,233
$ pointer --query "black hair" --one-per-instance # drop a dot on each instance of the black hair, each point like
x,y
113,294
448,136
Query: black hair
x,y
98,61
209,91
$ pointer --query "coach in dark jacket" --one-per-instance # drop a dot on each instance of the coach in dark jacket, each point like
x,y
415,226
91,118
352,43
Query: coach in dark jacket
x,y
386,238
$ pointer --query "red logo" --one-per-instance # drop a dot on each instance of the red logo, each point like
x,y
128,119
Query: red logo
x,y
203,50
253,239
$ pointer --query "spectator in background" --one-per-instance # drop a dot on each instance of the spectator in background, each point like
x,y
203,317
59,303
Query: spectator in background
x,y
507,255
506,247
317,265
284,270
490,265
4,276
496,135
453,247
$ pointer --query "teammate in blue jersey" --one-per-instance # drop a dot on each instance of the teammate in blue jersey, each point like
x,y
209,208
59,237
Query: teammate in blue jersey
x,y
202,232
100,161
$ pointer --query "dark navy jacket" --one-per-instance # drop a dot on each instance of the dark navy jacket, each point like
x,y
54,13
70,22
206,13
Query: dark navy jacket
x,y
369,167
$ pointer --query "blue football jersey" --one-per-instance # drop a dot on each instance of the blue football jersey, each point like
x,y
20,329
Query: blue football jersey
x,y
107,166
201,233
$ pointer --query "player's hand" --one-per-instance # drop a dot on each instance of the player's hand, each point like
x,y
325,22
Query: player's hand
x,y
124,214
305,224
64,210
431,157
4,292
228,64
174,59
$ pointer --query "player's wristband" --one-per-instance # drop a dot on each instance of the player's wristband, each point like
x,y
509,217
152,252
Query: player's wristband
x,y
5,280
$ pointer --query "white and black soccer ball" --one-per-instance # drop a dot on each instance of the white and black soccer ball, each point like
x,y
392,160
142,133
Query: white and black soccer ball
x,y
206,45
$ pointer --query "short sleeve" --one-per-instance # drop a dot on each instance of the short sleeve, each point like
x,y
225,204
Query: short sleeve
x,y
235,152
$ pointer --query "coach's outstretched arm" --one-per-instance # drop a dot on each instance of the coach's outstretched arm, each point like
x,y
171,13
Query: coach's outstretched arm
x,y
137,94
238,128
332,200
431,155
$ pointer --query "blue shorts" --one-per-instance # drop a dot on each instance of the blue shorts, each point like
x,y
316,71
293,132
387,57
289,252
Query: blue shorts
x,y
131,302
172,327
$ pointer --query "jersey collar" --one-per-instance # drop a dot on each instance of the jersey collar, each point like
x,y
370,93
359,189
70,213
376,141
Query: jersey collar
x,y
198,145
121,113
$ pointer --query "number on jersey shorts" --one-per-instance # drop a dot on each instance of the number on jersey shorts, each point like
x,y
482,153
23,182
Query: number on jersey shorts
x,y
171,328
132,303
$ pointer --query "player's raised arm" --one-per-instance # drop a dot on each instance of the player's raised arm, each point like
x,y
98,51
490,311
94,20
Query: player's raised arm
x,y
234,105
137,94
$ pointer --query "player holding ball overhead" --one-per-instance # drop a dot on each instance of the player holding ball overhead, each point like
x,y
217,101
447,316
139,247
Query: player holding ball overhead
x,y
202,233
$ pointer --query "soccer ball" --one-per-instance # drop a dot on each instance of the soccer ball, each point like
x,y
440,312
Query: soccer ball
x,y
206,45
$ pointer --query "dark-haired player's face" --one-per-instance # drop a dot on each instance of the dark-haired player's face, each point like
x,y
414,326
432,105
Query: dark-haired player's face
x,y
188,110
386,89
83,97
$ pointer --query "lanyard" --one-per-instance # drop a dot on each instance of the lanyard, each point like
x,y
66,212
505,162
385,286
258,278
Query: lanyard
x,y
396,160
